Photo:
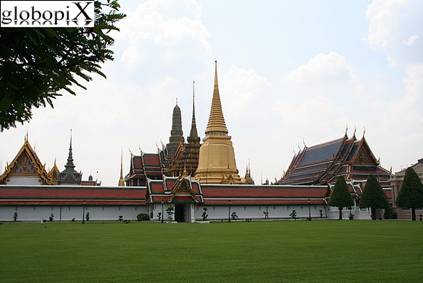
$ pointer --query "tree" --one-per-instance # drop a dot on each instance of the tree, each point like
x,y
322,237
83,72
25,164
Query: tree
x,y
411,192
39,64
373,196
340,196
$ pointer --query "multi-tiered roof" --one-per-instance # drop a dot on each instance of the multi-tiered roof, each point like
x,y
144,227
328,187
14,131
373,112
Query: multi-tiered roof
x,y
320,164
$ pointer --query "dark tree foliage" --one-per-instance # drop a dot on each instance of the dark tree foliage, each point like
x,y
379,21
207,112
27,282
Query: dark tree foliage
x,y
373,196
411,192
39,64
340,196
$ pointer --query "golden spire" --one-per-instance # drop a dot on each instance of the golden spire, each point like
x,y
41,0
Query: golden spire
x,y
216,124
121,180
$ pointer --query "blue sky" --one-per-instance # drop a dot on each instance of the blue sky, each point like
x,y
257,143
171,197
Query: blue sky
x,y
288,70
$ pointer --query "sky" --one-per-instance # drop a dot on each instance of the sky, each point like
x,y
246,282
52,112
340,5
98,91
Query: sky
x,y
290,73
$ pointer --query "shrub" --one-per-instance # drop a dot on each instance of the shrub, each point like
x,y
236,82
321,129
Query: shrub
x,y
143,217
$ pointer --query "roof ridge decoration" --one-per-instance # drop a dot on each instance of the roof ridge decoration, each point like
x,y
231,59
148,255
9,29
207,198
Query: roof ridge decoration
x,y
216,124
33,157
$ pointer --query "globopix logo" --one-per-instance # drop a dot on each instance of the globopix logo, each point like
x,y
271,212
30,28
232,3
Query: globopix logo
x,y
47,13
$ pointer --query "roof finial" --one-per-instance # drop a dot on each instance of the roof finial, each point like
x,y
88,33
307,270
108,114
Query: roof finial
x,y
364,131
176,101
346,130
355,129
305,146
26,136
70,144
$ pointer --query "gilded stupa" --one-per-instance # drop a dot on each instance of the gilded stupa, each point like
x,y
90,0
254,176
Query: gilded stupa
x,y
216,164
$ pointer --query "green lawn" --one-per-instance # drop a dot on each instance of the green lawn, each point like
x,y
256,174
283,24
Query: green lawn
x,y
289,251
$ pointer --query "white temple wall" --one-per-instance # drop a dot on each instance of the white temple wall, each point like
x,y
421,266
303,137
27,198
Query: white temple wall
x,y
38,213
364,213
258,212
157,208
23,180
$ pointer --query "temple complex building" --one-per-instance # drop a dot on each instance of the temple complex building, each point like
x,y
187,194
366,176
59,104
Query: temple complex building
x,y
322,163
27,169
185,160
216,163
144,167
186,181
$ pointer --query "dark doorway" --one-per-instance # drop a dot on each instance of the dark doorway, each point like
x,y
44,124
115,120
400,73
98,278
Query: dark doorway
x,y
180,213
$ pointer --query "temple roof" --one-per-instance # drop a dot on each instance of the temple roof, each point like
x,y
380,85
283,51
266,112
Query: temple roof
x,y
319,164
20,166
216,124
71,195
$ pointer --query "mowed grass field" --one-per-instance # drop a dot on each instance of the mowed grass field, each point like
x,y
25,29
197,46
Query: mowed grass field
x,y
283,251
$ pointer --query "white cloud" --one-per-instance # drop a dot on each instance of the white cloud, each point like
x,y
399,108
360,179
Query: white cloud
x,y
395,26
324,68
170,32
240,88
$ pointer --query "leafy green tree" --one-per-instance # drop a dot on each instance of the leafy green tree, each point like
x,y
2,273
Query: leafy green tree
x,y
39,64
373,196
411,192
340,196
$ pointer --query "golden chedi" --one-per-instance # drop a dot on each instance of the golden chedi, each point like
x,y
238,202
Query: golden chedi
x,y
216,164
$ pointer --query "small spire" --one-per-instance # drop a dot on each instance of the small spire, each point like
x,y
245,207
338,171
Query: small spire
x,y
364,131
216,83
69,163
193,133
121,182
26,136
176,101
355,129
346,130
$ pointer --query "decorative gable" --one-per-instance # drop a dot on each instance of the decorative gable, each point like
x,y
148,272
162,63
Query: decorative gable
x,y
364,155
24,166
26,163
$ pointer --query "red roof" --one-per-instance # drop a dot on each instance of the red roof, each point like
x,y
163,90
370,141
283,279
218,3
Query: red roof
x,y
151,159
263,201
50,195
137,161
264,191
156,187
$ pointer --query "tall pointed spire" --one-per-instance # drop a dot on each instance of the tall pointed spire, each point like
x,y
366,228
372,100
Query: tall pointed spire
x,y
193,134
121,180
69,163
216,124
70,176
216,162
